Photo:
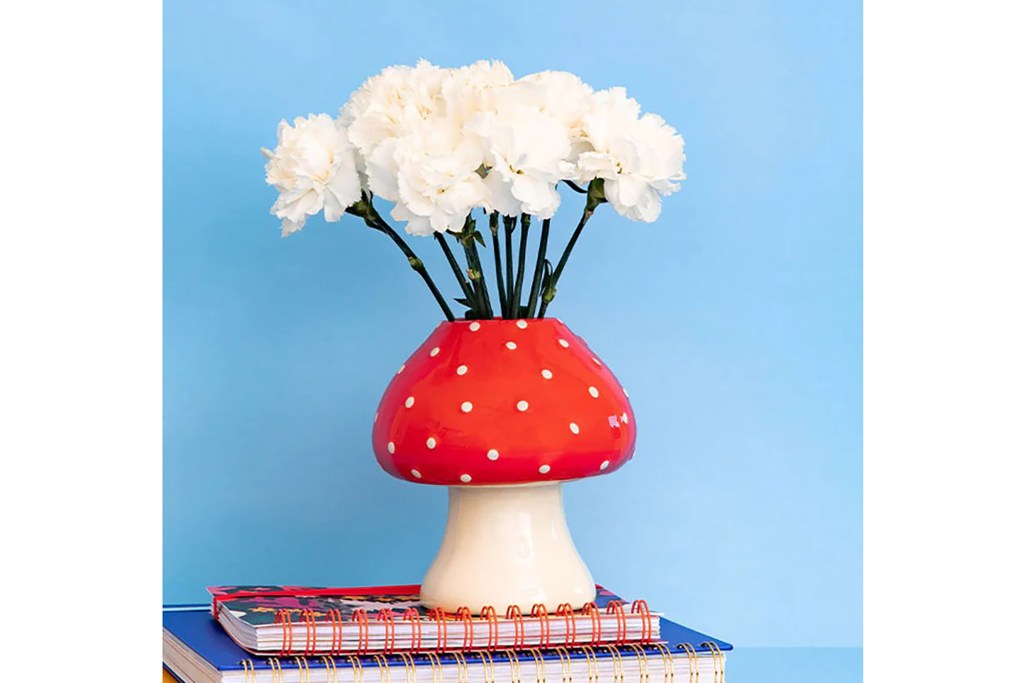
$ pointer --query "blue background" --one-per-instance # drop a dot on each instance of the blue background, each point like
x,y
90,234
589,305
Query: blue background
x,y
734,321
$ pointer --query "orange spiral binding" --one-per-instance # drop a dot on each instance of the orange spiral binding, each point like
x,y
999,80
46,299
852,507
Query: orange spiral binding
x,y
303,669
718,659
491,616
519,639
641,656
410,667
388,617
437,614
691,658
284,618
667,662
361,620
413,616
591,610
592,673
646,627
463,668
277,676
309,619
383,669
467,627
538,665
516,673
540,611
617,673
565,661
615,607
565,610
331,669
436,675
334,617
250,670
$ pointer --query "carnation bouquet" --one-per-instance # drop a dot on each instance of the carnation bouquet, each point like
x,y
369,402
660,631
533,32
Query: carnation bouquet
x,y
449,146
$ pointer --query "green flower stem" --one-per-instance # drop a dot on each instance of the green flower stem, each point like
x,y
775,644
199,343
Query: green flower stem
x,y
476,272
510,225
538,269
456,268
376,222
502,299
518,291
549,291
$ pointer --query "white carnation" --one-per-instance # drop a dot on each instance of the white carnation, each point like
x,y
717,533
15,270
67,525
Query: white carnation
x,y
639,157
527,150
562,95
313,168
437,177
392,103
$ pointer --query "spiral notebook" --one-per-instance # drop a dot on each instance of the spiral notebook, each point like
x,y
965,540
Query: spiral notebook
x,y
197,650
288,620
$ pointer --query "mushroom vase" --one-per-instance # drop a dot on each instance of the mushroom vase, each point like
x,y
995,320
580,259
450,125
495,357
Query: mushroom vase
x,y
502,412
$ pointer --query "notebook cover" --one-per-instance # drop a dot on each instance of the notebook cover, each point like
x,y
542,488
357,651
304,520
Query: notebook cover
x,y
198,630
259,610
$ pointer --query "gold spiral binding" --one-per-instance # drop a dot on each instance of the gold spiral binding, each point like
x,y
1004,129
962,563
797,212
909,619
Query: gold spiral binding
x,y
383,668
641,656
617,674
691,656
539,666
592,675
357,668
250,670
488,665
460,662
303,669
717,659
565,663
330,668
275,670
513,665
436,672
667,662
409,664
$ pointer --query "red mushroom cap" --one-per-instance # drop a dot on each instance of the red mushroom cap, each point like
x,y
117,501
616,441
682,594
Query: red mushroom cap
x,y
503,402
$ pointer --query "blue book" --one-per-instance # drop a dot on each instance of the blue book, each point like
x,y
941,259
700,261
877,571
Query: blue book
x,y
197,650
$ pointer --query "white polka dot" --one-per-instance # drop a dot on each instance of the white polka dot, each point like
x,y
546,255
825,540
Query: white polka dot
x,y
431,442
522,406
465,478
625,419
400,369
461,370
391,447
593,391
492,454
511,346
564,343
409,401
596,361
434,351
604,465
574,428
466,406
544,469
473,327
546,374
521,324
416,473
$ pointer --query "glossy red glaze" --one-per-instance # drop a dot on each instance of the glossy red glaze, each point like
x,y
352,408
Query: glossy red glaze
x,y
503,402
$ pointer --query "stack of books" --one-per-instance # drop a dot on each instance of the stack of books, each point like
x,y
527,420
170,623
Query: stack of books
x,y
295,634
